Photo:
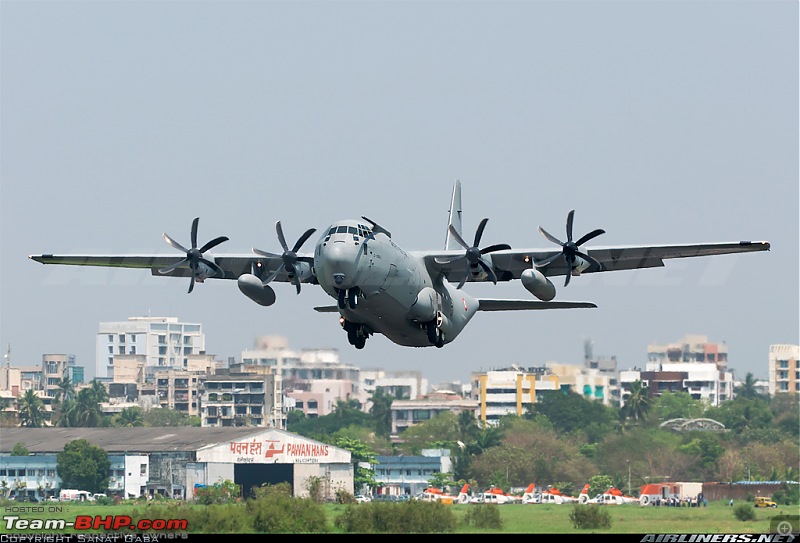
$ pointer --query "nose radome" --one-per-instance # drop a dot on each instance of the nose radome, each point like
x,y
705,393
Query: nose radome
x,y
340,261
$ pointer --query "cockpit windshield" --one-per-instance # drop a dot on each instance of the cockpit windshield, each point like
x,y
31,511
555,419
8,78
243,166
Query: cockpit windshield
x,y
358,232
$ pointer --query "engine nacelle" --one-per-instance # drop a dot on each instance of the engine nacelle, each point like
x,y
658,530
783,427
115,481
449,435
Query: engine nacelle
x,y
425,307
252,287
537,284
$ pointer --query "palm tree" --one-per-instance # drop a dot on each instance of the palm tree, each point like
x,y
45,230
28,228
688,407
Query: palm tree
x,y
66,413
639,401
99,391
87,409
381,412
129,417
31,410
66,391
748,388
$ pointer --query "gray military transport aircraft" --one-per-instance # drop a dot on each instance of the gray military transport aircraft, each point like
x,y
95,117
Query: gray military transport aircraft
x,y
414,298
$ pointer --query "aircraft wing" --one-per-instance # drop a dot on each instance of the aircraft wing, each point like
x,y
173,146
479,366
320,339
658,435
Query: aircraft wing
x,y
491,304
232,265
510,263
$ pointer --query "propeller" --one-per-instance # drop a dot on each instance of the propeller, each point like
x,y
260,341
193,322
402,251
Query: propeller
x,y
473,254
569,250
194,255
289,256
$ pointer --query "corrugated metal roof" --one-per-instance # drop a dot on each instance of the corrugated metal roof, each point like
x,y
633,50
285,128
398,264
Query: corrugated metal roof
x,y
120,440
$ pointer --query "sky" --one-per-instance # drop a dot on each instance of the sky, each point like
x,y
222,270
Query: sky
x,y
661,122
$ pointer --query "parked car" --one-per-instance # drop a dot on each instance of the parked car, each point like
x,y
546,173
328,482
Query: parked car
x,y
361,498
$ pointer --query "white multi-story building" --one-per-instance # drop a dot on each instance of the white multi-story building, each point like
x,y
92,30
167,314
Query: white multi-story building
x,y
784,369
703,381
165,343
403,385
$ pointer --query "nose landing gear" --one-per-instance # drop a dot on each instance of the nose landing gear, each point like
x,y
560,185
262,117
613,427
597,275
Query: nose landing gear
x,y
347,296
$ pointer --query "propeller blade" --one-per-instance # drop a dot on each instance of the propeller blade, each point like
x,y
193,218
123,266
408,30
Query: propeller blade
x,y
591,235
552,238
497,247
570,218
569,275
488,269
192,267
217,270
458,237
296,278
548,260
175,244
589,259
463,279
449,260
194,232
303,238
281,239
213,243
479,232
170,269
265,253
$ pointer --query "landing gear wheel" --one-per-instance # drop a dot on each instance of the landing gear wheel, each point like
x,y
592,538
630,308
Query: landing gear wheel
x,y
431,330
360,342
351,297
340,293
352,334
439,339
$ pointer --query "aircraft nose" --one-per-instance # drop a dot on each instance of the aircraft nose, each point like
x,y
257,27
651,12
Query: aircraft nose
x,y
341,262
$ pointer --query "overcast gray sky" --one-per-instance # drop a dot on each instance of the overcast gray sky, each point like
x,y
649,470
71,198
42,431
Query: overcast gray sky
x,y
660,122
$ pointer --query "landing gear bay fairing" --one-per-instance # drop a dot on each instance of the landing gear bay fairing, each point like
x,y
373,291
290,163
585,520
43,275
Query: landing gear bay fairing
x,y
414,298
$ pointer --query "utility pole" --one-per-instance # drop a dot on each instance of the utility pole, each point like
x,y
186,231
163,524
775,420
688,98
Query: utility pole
x,y
629,476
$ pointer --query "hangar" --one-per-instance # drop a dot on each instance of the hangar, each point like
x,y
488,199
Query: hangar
x,y
174,461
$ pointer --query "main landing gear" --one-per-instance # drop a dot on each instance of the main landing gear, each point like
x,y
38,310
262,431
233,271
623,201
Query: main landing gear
x,y
347,297
435,334
357,334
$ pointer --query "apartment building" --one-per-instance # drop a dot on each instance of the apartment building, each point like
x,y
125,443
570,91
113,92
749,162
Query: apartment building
x,y
784,369
509,391
692,348
703,381
164,341
240,399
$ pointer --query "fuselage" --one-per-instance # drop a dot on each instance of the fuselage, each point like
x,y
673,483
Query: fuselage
x,y
393,291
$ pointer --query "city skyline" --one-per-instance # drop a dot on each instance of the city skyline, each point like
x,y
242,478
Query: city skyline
x,y
659,122
237,358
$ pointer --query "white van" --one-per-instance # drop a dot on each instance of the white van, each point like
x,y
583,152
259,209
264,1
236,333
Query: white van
x,y
71,495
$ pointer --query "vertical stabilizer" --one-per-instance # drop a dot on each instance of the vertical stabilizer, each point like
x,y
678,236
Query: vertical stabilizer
x,y
454,218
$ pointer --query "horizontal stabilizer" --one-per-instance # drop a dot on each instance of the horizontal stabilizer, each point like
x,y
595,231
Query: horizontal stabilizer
x,y
489,304
327,309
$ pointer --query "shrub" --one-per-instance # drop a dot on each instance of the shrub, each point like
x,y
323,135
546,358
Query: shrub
x,y
484,516
267,489
589,516
282,514
744,512
406,517
343,496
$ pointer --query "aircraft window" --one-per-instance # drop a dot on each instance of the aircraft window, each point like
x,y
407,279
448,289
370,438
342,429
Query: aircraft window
x,y
341,230
332,231
352,230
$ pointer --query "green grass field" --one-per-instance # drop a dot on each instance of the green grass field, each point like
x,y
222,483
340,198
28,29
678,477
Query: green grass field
x,y
718,517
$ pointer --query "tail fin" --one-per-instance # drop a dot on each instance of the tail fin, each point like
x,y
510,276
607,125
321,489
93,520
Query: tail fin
x,y
454,218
